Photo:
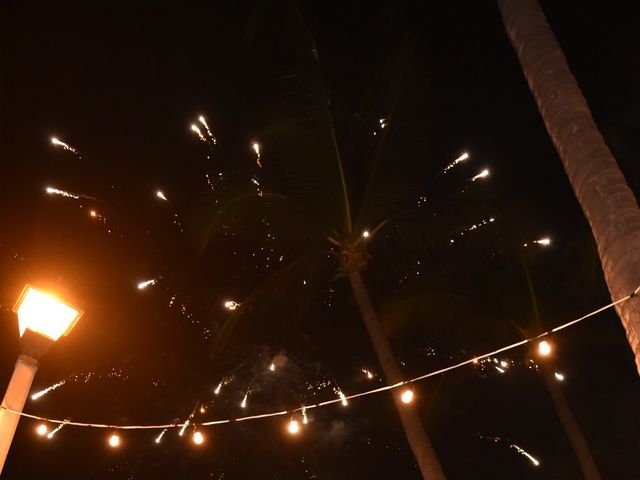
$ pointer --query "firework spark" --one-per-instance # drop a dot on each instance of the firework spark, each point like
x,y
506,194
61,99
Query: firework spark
x,y
204,122
367,373
256,148
243,404
483,174
195,129
43,392
159,437
63,193
161,196
146,283
69,148
231,305
458,160
522,451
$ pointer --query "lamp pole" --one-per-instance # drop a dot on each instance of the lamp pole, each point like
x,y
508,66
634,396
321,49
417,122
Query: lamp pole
x,y
42,319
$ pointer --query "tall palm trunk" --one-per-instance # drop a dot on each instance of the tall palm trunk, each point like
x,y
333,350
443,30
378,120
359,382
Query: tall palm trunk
x,y
577,439
605,198
409,416
563,410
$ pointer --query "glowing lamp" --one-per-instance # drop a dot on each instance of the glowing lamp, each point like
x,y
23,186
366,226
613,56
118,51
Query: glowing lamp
x,y
44,314
42,320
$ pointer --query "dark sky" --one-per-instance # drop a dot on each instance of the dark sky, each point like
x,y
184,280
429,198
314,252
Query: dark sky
x,y
123,82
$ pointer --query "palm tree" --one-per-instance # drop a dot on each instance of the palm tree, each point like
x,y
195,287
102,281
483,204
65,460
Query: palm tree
x,y
304,190
606,200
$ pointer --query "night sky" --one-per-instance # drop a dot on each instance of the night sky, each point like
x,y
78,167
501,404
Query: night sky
x,y
122,83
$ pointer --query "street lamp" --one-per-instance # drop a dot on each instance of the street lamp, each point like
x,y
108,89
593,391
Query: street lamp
x,y
42,319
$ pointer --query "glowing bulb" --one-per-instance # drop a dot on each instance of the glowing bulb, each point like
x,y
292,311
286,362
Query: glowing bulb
x,y
294,427
198,438
114,440
407,396
44,314
559,376
93,213
42,430
544,348
365,234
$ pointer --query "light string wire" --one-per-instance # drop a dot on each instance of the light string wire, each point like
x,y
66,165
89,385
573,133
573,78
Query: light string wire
x,y
335,400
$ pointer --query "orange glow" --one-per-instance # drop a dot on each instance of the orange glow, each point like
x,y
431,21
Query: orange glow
x,y
407,396
198,438
544,348
114,440
44,314
294,427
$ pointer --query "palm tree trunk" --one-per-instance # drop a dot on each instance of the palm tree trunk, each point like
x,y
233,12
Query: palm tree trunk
x,y
605,198
571,427
409,416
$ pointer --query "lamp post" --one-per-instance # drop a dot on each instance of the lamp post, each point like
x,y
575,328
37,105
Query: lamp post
x,y
42,319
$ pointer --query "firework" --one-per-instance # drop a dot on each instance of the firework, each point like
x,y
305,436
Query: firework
x,y
69,148
146,283
483,174
204,122
458,160
256,148
195,129
161,196
43,392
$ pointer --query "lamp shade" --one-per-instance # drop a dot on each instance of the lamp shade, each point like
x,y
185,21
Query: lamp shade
x,y
43,313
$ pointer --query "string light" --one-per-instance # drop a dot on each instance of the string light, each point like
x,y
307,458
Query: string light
x,y
407,396
114,440
42,430
294,426
198,438
342,398
544,348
